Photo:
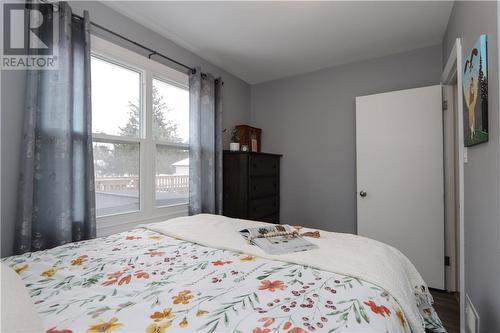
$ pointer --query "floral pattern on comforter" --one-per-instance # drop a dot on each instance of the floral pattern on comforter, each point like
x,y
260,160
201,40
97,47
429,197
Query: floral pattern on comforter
x,y
142,281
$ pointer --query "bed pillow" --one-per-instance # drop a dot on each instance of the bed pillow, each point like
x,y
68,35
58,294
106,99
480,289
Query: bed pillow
x,y
18,312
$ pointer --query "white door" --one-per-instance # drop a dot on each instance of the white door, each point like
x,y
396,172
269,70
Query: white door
x,y
399,148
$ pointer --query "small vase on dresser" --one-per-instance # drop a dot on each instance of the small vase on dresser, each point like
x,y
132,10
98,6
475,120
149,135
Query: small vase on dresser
x,y
251,186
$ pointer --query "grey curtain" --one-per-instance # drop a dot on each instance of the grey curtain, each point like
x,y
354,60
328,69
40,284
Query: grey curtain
x,y
205,144
56,189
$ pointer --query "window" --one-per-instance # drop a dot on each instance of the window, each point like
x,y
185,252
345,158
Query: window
x,y
171,133
116,97
116,169
116,100
140,125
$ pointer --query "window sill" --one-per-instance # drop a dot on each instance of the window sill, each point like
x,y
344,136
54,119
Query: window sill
x,y
112,224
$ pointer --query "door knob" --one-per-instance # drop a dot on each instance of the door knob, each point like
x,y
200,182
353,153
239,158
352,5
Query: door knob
x,y
362,194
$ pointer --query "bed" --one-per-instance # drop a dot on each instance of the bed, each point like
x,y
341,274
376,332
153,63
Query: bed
x,y
190,275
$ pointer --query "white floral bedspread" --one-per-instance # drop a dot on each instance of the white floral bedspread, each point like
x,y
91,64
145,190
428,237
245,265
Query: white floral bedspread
x,y
142,281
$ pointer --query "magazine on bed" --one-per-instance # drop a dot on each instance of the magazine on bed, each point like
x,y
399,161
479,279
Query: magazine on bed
x,y
277,239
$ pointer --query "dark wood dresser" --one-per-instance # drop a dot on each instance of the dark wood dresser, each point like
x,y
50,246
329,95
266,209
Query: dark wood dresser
x,y
252,185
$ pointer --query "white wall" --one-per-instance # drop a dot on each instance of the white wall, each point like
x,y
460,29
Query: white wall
x,y
310,119
236,102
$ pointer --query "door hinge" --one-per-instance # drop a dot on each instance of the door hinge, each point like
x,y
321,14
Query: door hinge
x,y
445,105
447,261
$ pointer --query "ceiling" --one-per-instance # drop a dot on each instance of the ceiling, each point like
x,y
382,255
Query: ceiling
x,y
262,41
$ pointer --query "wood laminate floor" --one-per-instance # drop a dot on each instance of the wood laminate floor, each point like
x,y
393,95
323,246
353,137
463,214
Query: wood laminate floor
x,y
448,308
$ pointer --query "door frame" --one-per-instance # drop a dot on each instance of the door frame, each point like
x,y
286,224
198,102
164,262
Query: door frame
x,y
450,176
452,74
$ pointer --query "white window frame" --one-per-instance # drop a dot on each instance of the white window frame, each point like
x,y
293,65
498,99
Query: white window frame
x,y
149,70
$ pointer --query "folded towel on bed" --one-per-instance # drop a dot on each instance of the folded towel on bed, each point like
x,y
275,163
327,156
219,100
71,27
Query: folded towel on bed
x,y
347,254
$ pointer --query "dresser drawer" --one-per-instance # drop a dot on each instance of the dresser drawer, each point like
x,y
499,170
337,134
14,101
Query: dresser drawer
x,y
275,218
258,208
263,186
263,165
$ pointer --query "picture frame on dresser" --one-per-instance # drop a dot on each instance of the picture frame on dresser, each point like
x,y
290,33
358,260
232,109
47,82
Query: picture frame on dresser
x,y
251,186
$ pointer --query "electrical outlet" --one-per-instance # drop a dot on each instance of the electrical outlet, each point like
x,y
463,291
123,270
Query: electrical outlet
x,y
471,317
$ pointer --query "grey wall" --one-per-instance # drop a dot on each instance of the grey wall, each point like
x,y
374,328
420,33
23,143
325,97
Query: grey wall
x,y
482,172
236,101
12,95
11,98
310,119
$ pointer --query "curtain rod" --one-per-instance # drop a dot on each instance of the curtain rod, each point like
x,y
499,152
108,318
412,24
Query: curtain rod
x,y
153,52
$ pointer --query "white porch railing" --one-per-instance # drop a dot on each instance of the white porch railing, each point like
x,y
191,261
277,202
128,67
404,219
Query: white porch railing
x,y
164,183
172,183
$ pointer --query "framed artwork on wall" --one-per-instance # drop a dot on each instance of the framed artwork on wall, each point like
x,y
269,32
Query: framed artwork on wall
x,y
475,90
